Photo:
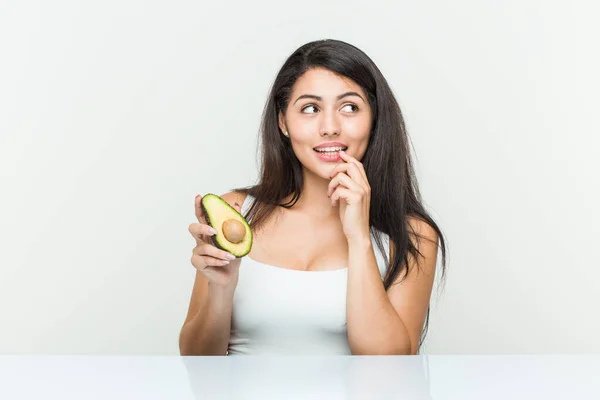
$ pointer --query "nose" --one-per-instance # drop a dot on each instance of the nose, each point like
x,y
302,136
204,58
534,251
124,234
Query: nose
x,y
330,124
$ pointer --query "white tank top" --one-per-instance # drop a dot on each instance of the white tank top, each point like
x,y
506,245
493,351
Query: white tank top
x,y
285,311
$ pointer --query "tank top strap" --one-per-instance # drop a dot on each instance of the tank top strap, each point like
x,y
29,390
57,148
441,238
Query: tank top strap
x,y
248,201
379,256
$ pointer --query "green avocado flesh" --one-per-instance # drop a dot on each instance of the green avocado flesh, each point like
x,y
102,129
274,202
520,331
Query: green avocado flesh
x,y
233,232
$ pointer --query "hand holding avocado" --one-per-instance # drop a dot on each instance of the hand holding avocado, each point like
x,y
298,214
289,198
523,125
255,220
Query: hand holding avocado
x,y
222,237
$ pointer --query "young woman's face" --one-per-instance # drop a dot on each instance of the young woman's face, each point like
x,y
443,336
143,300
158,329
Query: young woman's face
x,y
328,111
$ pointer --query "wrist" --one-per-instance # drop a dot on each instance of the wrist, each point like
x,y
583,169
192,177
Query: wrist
x,y
360,242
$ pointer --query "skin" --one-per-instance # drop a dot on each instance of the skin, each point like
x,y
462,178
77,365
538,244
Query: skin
x,y
332,217
311,122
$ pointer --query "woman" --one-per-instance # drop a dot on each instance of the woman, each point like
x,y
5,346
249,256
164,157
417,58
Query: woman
x,y
344,253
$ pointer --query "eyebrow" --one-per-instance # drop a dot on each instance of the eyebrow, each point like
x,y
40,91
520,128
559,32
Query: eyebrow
x,y
319,98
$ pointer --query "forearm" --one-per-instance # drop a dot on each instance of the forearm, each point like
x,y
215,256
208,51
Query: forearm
x,y
208,332
374,327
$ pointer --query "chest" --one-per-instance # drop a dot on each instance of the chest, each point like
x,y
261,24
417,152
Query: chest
x,y
303,244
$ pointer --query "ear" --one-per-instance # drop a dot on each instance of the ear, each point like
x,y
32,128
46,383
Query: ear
x,y
282,126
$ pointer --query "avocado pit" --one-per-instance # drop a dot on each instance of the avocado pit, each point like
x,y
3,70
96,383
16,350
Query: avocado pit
x,y
233,230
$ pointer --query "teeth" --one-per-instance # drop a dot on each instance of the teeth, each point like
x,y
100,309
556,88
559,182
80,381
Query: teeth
x,y
329,149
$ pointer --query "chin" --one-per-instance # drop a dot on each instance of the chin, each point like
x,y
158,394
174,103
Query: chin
x,y
320,171
319,166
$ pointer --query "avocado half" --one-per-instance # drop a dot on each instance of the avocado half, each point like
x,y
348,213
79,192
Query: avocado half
x,y
229,225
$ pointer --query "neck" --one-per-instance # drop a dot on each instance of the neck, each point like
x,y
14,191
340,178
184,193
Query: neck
x,y
314,200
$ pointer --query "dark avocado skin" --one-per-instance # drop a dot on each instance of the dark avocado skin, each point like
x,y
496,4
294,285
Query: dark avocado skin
x,y
213,238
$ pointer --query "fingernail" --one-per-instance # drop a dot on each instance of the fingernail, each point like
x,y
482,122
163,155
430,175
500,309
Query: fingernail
x,y
197,197
213,231
224,262
231,256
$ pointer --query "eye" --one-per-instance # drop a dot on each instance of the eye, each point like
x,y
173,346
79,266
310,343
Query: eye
x,y
308,107
350,107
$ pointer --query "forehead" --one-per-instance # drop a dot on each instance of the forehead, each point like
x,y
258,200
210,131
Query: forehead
x,y
322,82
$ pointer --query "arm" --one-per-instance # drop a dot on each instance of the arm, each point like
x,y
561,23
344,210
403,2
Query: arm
x,y
381,322
207,327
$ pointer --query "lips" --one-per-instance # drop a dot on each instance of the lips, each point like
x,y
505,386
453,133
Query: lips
x,y
331,146
329,157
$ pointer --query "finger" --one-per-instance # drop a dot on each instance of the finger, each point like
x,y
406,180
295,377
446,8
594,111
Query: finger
x,y
342,193
358,164
198,209
220,275
350,168
200,231
204,262
342,179
356,168
352,171
206,249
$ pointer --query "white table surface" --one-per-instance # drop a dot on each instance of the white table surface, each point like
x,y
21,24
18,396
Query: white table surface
x,y
262,377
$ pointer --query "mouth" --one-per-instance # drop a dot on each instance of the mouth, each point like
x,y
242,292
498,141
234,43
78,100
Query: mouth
x,y
330,153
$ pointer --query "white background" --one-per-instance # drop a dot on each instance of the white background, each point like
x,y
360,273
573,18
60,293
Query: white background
x,y
115,114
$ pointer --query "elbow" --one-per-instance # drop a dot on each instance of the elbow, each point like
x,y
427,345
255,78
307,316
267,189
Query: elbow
x,y
403,348
184,348
199,347
394,343
187,347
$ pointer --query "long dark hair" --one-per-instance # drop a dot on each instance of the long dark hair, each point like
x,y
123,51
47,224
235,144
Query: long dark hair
x,y
395,194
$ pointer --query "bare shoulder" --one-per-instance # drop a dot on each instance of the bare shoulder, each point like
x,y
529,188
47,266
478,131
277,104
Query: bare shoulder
x,y
423,230
234,198
419,230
